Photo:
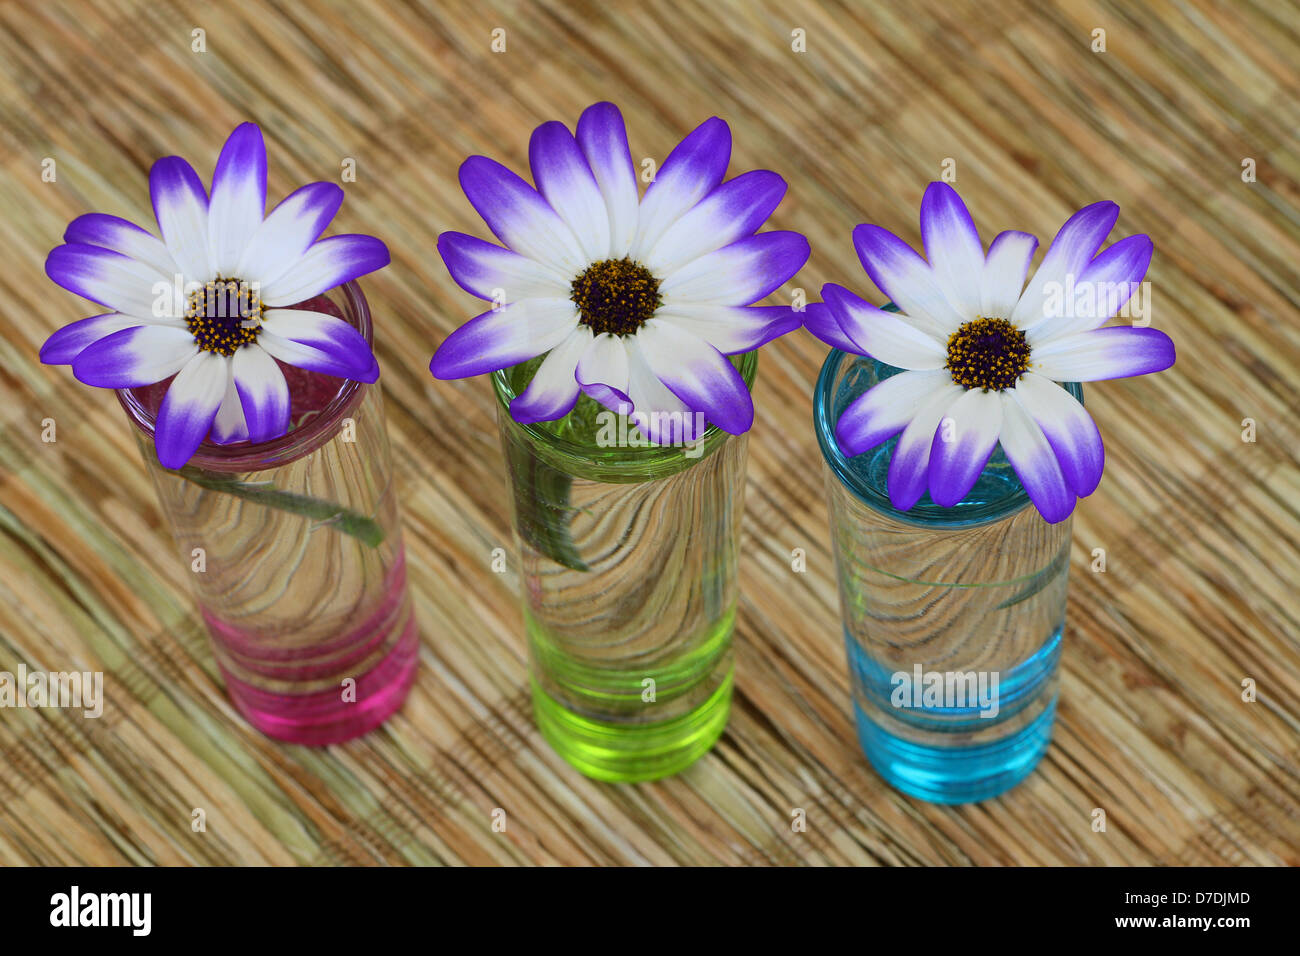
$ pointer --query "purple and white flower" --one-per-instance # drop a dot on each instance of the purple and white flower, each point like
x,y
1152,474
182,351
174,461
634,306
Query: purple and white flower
x,y
636,301
983,352
211,301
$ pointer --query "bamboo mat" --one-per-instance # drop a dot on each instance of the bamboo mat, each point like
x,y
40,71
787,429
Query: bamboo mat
x,y
1201,529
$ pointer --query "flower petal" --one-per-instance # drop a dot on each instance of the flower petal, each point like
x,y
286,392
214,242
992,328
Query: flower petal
x,y
820,319
111,232
518,215
953,247
238,200
885,336
963,442
603,371
1069,254
189,407
736,209
553,390
123,284
317,342
1069,429
1035,463
738,274
566,182
698,374
263,392
904,276
1113,352
68,342
732,329
909,468
229,426
496,274
503,337
691,171
181,206
885,409
1003,276
1104,287
289,231
603,139
658,414
134,356
329,263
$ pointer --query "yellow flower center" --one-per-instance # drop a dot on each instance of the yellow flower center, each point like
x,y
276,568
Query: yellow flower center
x,y
224,314
616,296
987,353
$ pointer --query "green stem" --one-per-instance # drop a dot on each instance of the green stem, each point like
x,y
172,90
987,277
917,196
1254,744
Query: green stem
x,y
335,516
542,505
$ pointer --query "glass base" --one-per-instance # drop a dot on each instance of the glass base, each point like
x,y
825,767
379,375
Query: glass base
x,y
323,718
956,775
297,694
631,753
948,754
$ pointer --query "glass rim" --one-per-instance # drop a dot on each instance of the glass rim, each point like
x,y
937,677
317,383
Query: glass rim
x,y
640,461
838,463
292,445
